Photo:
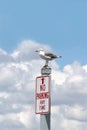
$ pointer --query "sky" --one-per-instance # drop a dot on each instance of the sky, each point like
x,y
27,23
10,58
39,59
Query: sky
x,y
56,26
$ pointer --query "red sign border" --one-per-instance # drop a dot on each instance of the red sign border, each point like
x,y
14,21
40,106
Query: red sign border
x,y
36,93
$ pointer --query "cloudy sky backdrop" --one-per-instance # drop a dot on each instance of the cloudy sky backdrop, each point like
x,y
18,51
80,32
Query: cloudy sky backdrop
x,y
59,27
17,91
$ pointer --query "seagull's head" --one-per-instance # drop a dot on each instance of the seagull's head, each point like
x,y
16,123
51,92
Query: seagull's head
x,y
40,50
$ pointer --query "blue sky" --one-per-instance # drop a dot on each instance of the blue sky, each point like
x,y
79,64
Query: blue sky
x,y
60,24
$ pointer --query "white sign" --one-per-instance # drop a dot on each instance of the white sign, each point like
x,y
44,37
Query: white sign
x,y
42,95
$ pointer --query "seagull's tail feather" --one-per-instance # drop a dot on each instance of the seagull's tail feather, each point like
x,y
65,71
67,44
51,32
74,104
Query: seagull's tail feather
x,y
59,56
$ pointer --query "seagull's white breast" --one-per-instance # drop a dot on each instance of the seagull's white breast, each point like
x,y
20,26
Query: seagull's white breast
x,y
43,56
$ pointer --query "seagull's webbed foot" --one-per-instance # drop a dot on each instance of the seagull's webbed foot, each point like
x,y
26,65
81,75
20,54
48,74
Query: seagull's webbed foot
x,y
45,66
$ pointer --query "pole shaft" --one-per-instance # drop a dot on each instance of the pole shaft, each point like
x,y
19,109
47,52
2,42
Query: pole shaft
x,y
45,118
45,122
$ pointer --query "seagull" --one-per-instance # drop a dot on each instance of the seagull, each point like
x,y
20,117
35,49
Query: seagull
x,y
47,56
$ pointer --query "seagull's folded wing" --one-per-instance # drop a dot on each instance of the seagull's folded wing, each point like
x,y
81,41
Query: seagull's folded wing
x,y
51,55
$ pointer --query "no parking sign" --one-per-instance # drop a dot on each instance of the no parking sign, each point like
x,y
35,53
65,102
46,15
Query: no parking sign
x,y
42,95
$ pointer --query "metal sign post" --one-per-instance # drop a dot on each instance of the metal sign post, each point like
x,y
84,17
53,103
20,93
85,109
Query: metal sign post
x,y
42,98
45,118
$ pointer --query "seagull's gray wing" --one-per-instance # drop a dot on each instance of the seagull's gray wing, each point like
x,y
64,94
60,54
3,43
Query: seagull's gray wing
x,y
51,55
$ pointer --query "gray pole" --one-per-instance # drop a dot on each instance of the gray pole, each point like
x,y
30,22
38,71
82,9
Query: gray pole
x,y
45,118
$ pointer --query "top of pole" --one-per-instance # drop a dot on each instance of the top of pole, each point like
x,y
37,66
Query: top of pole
x,y
46,70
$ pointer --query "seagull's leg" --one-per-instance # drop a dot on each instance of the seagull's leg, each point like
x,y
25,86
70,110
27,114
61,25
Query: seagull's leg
x,y
46,64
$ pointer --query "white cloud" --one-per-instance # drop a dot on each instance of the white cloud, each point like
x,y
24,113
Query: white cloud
x,y
4,57
17,91
26,50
